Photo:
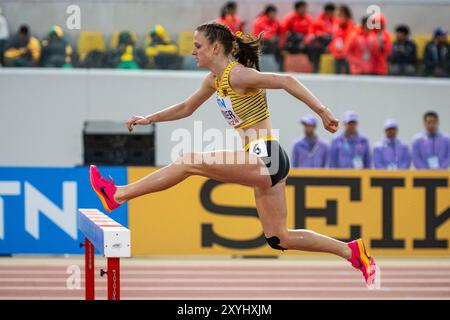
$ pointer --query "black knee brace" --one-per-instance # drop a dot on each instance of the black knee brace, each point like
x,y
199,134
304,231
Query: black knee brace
x,y
274,243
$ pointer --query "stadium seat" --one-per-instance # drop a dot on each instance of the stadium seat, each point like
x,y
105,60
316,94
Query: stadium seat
x,y
185,43
421,41
89,41
115,39
268,63
189,63
327,63
298,62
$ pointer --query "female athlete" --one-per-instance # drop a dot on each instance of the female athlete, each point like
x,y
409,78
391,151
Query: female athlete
x,y
240,89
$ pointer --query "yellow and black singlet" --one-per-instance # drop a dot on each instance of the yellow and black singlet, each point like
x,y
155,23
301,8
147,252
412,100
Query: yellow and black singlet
x,y
240,110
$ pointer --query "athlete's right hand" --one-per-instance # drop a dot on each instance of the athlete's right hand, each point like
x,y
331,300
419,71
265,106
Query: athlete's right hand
x,y
138,120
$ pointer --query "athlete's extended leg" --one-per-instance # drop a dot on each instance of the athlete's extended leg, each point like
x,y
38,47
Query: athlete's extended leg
x,y
271,206
226,166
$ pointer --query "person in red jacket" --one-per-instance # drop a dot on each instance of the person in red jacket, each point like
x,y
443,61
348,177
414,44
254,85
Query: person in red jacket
x,y
323,26
342,29
228,17
381,44
323,33
358,49
297,29
268,23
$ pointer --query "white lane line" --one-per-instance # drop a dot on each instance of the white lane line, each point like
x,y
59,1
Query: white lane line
x,y
230,280
230,298
237,288
256,272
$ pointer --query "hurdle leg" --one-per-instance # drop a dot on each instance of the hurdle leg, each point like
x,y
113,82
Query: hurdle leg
x,y
89,267
113,278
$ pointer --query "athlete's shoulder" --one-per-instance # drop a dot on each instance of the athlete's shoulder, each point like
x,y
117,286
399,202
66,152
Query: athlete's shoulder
x,y
240,75
239,69
208,81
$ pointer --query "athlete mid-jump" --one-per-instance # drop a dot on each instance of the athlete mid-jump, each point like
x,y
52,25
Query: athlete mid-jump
x,y
240,89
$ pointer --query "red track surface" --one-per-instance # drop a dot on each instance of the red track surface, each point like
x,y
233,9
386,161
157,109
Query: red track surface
x,y
206,279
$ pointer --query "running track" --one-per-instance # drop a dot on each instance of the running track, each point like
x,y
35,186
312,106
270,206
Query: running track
x,y
303,278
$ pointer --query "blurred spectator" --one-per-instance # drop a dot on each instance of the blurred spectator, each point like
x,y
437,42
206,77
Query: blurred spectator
x,y
342,29
437,55
310,151
380,43
358,51
4,35
228,16
431,148
297,29
127,56
350,149
22,50
390,153
160,50
56,51
323,33
403,58
267,21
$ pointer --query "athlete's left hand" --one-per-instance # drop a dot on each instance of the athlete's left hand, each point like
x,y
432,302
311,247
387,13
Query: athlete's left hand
x,y
330,122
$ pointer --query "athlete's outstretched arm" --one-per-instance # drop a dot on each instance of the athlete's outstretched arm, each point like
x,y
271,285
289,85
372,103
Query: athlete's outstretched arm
x,y
245,78
180,110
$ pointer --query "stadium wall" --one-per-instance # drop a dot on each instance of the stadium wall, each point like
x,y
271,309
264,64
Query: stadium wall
x,y
43,111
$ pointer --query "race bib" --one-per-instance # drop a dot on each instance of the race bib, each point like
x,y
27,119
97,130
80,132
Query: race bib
x,y
433,162
258,148
227,111
357,163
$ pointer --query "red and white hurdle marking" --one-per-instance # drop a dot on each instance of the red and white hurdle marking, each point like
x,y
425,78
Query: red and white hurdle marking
x,y
110,239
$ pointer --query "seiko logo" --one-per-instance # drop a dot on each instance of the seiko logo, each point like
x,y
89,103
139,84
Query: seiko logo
x,y
117,245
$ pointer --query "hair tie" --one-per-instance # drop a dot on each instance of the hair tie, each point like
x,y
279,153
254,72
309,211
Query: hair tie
x,y
238,35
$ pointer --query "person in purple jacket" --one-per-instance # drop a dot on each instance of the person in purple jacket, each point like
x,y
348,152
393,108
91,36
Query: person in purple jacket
x,y
431,147
310,151
350,149
390,153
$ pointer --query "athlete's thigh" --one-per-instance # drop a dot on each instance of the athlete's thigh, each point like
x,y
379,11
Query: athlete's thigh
x,y
233,167
272,210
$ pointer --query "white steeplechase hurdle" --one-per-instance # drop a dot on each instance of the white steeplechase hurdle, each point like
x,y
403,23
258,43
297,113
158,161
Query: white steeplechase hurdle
x,y
110,239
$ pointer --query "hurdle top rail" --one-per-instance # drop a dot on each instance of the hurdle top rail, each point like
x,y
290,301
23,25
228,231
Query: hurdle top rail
x,y
109,237
112,240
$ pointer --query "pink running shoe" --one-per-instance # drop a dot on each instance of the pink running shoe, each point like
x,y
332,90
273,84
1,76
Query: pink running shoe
x,y
362,261
104,188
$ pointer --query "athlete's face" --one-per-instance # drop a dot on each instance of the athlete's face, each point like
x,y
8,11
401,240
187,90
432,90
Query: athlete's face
x,y
203,51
